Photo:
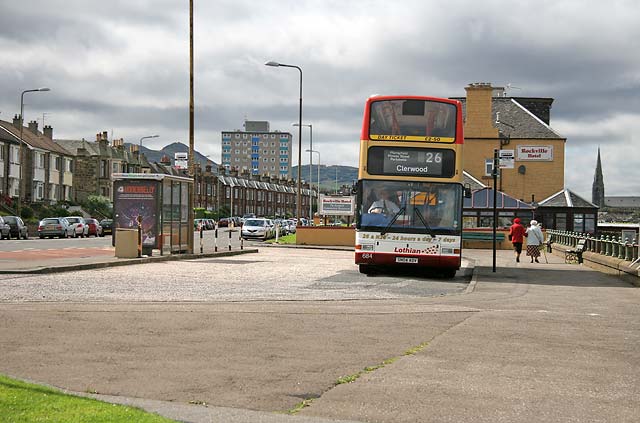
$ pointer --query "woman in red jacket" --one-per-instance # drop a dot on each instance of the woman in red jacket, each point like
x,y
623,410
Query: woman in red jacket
x,y
517,232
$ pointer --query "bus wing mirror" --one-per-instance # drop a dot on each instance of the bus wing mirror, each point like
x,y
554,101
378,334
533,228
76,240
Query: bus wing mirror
x,y
467,191
354,188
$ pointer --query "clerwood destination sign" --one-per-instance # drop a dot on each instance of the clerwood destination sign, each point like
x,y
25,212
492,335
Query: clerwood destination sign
x,y
411,161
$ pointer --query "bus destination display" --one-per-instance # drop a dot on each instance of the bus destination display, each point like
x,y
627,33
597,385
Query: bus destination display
x,y
411,161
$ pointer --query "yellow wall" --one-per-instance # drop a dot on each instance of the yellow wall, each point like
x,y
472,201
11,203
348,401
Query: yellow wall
x,y
325,235
541,179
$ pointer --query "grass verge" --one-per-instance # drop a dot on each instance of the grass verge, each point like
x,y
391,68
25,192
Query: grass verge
x,y
287,239
26,402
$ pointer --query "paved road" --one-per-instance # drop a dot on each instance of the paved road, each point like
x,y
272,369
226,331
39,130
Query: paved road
x,y
262,332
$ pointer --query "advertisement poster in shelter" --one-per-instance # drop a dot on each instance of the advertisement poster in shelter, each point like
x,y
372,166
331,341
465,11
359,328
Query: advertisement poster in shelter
x,y
134,198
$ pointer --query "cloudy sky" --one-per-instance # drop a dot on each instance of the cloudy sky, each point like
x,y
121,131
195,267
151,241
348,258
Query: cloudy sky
x,y
123,66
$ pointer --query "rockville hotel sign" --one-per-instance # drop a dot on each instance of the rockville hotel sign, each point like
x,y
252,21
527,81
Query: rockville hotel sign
x,y
542,153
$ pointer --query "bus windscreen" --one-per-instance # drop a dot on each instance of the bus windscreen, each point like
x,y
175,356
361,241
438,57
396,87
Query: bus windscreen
x,y
412,120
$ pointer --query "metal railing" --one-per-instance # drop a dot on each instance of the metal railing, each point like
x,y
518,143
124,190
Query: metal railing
x,y
610,246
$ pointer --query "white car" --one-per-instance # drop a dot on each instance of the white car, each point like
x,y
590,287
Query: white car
x,y
256,228
80,227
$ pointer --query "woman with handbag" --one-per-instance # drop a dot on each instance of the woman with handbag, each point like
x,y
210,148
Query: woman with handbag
x,y
517,232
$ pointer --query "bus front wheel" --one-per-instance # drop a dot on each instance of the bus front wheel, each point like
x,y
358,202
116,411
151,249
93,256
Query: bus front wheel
x,y
365,269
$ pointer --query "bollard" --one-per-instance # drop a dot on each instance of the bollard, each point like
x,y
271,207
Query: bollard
x,y
229,240
201,240
139,236
215,239
241,240
277,233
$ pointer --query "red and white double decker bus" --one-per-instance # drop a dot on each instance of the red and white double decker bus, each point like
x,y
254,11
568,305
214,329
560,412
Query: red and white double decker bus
x,y
410,193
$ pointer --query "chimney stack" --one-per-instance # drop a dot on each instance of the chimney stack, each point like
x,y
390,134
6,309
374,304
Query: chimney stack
x,y
48,131
33,127
479,119
17,121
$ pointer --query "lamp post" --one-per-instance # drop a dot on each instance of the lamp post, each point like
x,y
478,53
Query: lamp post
x,y
22,161
299,187
310,163
140,149
318,184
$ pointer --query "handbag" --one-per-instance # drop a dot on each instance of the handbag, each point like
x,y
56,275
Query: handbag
x,y
510,237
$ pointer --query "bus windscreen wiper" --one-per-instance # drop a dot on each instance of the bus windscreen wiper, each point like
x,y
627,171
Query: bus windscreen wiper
x,y
393,220
424,222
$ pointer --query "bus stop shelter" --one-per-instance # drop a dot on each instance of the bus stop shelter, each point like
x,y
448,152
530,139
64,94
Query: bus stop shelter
x,y
158,206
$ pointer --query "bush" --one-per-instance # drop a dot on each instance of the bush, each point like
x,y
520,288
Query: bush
x,y
26,212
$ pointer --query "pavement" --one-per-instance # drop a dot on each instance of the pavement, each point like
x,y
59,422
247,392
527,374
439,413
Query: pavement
x,y
248,338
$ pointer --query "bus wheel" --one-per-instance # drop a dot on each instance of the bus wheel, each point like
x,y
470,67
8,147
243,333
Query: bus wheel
x,y
449,273
365,269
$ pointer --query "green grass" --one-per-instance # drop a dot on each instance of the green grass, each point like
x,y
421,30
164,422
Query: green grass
x,y
22,402
287,239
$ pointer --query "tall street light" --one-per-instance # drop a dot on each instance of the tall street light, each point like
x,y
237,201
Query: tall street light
x,y
310,162
318,185
299,188
22,161
140,149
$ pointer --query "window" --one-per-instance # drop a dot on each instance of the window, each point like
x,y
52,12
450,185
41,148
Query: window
x,y
244,136
273,135
488,167
69,166
103,168
115,167
237,135
561,221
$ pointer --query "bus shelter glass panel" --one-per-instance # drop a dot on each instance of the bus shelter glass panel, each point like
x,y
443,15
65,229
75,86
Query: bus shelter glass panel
x,y
407,206
137,200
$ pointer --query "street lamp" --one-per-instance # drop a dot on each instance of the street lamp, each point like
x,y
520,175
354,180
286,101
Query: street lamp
x,y
310,162
299,188
140,149
22,161
318,185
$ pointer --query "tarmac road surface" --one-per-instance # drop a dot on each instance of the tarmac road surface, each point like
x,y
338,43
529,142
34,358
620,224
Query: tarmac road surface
x,y
256,334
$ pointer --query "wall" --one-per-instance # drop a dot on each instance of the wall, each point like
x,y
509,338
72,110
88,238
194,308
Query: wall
x,y
325,235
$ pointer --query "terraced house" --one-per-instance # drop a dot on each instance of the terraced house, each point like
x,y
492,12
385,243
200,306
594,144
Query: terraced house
x,y
36,169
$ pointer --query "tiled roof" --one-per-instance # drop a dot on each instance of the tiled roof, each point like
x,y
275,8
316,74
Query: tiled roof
x,y
515,120
474,183
10,132
566,198
96,149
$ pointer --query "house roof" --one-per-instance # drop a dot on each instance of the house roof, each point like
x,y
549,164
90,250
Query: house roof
x,y
566,198
34,140
474,183
623,202
515,120
483,199
97,149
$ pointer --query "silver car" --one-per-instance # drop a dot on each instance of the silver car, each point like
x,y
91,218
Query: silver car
x,y
256,228
81,229
55,227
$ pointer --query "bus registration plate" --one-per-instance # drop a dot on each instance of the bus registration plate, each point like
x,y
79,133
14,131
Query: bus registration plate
x,y
406,259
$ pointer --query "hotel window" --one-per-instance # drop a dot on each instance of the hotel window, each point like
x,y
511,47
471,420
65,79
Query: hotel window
x,y
273,135
237,135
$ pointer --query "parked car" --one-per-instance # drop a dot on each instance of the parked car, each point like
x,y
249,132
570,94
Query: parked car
x,y
257,228
18,228
211,224
107,226
223,222
79,225
291,226
55,226
5,229
94,228
199,224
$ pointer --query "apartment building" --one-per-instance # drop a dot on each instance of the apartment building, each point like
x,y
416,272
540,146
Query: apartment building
x,y
257,150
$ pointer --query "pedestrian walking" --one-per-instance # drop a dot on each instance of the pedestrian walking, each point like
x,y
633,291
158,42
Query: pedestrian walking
x,y
517,232
534,240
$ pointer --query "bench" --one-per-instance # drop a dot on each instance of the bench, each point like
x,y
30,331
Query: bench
x,y
574,255
482,236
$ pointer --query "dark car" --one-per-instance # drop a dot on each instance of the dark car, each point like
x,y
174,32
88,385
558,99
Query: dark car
x,y
95,228
107,226
223,223
5,229
18,228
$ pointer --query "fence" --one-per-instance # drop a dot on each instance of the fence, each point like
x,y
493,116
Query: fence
x,y
610,246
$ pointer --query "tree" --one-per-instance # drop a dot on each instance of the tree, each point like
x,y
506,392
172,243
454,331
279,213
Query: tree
x,y
99,205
